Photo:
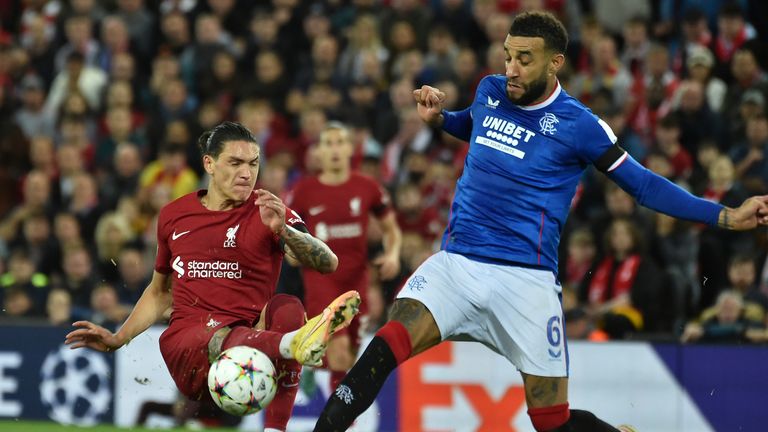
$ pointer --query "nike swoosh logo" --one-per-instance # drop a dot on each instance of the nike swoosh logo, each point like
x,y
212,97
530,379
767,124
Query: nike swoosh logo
x,y
316,210
174,236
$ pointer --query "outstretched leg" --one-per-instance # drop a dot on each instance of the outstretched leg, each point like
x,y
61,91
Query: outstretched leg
x,y
547,399
410,330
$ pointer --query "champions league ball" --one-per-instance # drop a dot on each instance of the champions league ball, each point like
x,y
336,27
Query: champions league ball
x,y
242,381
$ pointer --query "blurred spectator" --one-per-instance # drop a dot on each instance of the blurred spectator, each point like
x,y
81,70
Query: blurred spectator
x,y
120,129
270,81
170,170
580,264
412,136
69,160
707,153
623,292
747,75
42,155
37,239
134,275
175,104
699,64
123,180
66,229
675,244
113,233
197,62
750,158
716,246
726,322
612,14
31,117
651,93
76,77
442,53
140,24
320,66
78,275
606,72
363,38
636,45
107,311
582,327
59,308
36,198
732,33
85,204
222,85
697,121
412,217
23,288
668,141
175,34
79,35
742,278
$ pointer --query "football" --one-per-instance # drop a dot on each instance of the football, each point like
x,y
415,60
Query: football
x,y
242,381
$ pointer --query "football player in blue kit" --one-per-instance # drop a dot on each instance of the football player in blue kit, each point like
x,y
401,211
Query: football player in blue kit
x,y
494,281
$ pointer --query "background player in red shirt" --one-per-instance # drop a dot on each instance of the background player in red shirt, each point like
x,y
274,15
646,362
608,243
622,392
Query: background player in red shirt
x,y
336,206
222,248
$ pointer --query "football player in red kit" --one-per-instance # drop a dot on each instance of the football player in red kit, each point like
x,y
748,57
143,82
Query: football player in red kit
x,y
221,250
336,206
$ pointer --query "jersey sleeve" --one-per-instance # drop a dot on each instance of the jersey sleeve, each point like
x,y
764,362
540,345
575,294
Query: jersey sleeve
x,y
163,258
294,220
596,143
381,203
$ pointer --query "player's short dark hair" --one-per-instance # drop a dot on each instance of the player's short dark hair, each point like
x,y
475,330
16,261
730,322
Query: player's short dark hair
x,y
543,25
211,142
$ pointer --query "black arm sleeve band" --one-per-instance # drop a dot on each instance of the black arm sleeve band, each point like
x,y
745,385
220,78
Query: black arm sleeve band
x,y
609,157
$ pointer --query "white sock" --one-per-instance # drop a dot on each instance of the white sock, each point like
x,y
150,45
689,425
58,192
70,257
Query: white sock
x,y
285,346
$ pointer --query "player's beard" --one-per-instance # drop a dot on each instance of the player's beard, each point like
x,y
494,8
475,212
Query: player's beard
x,y
532,92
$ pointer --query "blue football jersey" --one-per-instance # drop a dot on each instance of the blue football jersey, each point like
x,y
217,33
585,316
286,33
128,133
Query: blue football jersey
x,y
520,175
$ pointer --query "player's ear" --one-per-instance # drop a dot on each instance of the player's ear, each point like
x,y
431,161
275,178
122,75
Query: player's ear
x,y
208,163
556,62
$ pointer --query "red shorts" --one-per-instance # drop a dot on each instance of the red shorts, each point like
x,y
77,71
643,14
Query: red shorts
x,y
184,346
317,297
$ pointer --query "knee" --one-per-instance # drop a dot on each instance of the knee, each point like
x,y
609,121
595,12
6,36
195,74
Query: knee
x,y
284,313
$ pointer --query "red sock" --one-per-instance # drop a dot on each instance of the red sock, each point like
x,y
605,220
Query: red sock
x,y
284,314
549,418
396,336
278,412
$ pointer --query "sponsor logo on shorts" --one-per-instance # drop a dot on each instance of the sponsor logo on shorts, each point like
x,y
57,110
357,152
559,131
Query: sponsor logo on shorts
x,y
417,283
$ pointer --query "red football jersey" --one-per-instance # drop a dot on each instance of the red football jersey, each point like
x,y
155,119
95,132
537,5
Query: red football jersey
x,y
225,264
338,215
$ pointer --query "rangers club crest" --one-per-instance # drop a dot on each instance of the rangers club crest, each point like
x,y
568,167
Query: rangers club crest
x,y
547,124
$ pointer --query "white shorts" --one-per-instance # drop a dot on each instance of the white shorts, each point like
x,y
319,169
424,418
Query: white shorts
x,y
515,311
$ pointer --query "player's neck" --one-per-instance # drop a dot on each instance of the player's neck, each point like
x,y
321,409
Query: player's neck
x,y
214,201
334,177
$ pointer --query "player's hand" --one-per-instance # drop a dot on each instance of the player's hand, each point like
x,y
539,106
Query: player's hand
x,y
389,266
90,335
751,214
271,209
429,104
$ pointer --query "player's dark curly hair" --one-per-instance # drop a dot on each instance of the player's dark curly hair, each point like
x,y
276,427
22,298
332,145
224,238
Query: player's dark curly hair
x,y
543,25
211,142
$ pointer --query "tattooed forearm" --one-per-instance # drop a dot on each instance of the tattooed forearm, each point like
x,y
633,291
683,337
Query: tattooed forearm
x,y
310,251
724,220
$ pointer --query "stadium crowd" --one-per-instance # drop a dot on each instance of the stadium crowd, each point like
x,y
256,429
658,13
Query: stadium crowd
x,y
101,103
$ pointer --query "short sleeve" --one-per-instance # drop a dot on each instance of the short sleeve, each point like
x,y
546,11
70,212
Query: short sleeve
x,y
381,204
596,142
163,258
294,220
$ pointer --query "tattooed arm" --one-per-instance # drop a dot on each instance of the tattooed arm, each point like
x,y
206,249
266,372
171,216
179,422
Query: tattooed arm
x,y
308,250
